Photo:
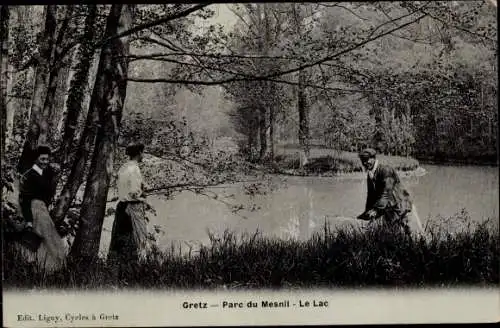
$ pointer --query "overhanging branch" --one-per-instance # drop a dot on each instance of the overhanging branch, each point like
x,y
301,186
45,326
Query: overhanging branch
x,y
207,83
145,26
269,77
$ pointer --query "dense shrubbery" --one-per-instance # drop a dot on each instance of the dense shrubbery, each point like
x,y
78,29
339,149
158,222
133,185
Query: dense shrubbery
x,y
348,258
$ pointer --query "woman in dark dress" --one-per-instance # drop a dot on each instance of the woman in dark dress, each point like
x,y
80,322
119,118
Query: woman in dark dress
x,y
37,187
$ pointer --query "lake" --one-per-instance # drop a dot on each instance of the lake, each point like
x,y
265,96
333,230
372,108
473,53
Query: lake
x,y
296,207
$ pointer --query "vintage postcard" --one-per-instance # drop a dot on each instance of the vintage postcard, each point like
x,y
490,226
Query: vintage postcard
x,y
267,163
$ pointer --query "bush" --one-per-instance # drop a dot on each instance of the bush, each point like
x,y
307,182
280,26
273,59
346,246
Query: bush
x,y
330,161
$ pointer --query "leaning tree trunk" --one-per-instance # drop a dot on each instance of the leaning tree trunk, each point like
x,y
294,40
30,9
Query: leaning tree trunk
x,y
40,88
76,94
56,67
74,107
4,66
109,95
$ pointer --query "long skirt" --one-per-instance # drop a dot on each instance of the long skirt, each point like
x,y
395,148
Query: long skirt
x,y
129,234
51,254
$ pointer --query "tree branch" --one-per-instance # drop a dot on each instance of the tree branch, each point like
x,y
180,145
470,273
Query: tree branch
x,y
243,20
394,20
416,40
345,8
144,26
340,53
458,27
239,56
285,72
158,42
199,82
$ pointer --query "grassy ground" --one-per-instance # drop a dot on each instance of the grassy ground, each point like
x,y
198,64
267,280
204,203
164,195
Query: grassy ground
x,y
343,258
326,161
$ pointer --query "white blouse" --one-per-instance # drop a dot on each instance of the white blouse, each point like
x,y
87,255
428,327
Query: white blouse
x,y
130,183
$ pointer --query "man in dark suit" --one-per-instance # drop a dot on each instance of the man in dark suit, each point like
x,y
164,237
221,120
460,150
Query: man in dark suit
x,y
386,198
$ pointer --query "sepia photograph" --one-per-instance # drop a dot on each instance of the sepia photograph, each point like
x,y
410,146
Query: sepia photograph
x,y
269,163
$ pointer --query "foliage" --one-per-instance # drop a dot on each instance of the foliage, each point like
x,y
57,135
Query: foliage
x,y
452,109
341,125
329,161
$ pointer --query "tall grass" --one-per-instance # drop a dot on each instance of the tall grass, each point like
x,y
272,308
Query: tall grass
x,y
332,258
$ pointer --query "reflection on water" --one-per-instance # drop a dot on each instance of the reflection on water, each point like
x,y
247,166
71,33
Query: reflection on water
x,y
301,205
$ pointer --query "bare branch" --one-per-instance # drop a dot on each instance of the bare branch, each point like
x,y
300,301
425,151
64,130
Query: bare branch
x,y
416,40
340,53
394,20
154,23
198,82
350,70
242,19
160,55
458,27
167,41
270,77
345,8
158,42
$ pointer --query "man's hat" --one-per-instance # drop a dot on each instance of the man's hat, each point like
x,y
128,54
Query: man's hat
x,y
367,153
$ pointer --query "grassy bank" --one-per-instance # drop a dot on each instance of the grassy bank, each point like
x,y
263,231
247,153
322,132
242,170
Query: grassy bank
x,y
326,161
341,258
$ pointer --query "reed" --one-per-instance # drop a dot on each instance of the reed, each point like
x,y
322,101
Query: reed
x,y
348,257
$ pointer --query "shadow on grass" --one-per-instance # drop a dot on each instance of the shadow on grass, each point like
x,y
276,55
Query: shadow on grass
x,y
341,258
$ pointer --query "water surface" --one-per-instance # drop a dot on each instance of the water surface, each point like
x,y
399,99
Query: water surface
x,y
298,206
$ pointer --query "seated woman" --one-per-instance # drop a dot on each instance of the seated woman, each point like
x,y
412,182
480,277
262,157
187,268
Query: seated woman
x,y
37,188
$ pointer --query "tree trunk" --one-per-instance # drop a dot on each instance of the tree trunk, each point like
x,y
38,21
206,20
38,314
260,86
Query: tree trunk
x,y
10,107
4,66
272,119
60,101
303,117
55,70
251,144
108,96
271,103
269,87
262,132
76,94
40,89
75,105
302,105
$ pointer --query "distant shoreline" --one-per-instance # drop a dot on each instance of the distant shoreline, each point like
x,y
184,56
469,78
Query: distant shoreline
x,y
457,162
419,171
